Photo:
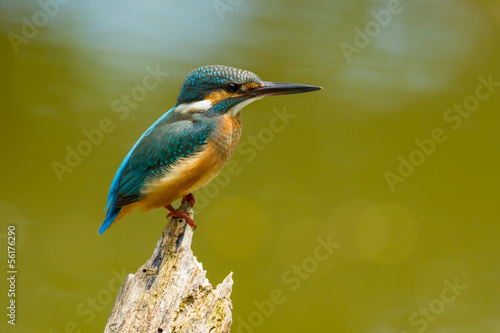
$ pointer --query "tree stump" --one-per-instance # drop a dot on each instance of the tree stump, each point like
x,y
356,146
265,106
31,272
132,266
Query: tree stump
x,y
170,292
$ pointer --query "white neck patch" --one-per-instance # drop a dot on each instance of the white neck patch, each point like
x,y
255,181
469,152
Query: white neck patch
x,y
202,106
194,107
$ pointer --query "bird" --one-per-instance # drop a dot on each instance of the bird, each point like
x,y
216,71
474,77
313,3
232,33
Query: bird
x,y
190,144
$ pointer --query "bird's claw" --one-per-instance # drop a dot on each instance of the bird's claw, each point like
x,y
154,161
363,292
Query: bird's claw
x,y
174,213
190,198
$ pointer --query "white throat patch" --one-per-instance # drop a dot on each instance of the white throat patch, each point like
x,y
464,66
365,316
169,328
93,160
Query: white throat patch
x,y
235,110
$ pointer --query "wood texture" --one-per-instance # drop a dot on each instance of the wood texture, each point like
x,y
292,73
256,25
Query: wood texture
x,y
170,292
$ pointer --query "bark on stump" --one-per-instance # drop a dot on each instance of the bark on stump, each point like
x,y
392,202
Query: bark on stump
x,y
170,292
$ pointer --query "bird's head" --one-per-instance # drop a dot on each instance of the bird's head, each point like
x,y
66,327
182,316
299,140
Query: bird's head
x,y
217,89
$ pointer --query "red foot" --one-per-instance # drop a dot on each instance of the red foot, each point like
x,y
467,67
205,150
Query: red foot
x,y
190,199
175,213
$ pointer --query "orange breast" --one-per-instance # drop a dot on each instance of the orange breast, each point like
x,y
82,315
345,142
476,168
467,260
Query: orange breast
x,y
227,136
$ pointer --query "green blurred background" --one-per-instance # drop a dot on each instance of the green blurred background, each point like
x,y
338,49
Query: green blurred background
x,y
330,173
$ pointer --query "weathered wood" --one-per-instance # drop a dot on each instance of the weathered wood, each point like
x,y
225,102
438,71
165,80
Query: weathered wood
x,y
170,292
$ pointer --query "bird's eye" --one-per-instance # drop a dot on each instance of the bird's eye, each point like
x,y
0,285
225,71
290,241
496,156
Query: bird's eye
x,y
232,87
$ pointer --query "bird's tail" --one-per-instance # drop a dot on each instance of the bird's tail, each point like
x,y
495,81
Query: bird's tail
x,y
110,217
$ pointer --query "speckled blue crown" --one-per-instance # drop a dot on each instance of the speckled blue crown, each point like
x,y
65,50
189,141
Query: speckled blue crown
x,y
204,80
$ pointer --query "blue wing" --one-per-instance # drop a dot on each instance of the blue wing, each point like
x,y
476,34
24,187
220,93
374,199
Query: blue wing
x,y
170,138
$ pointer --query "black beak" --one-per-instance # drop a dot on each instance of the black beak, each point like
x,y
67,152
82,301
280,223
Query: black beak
x,y
280,88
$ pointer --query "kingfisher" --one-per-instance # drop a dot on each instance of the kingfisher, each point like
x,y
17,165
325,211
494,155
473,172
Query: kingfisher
x,y
190,144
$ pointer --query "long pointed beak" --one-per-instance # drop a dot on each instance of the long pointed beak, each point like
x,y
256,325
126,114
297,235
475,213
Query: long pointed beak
x,y
281,88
